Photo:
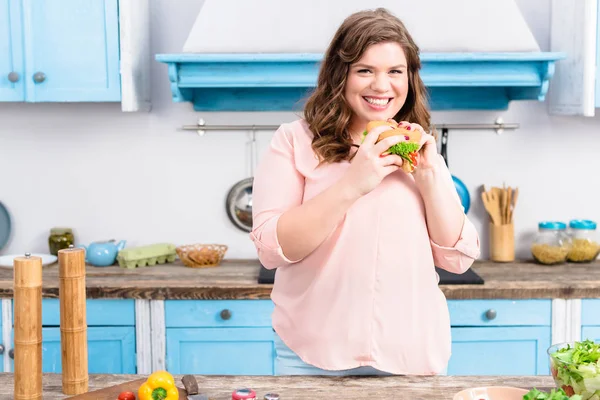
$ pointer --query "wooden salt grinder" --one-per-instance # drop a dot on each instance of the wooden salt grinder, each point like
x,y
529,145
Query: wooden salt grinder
x,y
73,322
27,276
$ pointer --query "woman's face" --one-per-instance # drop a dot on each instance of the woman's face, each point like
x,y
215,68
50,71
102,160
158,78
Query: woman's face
x,y
377,84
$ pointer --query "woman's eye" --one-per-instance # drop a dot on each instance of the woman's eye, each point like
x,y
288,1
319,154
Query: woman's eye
x,y
397,71
363,71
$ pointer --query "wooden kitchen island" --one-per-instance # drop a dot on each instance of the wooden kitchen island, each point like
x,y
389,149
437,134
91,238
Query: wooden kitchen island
x,y
312,388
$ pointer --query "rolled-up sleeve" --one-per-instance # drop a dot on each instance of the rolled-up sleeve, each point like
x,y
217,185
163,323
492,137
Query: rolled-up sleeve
x,y
459,258
278,186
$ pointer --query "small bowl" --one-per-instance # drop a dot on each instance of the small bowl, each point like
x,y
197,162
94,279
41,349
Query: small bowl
x,y
491,393
201,255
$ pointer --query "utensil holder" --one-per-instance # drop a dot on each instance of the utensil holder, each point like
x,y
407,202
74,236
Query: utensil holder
x,y
502,242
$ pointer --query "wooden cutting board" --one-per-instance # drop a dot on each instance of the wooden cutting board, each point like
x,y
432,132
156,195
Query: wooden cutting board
x,y
111,393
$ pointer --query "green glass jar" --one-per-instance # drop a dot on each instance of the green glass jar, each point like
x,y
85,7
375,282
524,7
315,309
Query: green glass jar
x,y
60,238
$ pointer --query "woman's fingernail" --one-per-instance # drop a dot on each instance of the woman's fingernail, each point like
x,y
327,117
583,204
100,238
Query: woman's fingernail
x,y
407,137
408,128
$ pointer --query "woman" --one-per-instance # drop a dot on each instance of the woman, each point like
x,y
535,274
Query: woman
x,y
355,238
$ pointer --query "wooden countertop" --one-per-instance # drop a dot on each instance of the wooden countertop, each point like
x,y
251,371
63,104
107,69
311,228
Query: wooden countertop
x,y
305,387
237,279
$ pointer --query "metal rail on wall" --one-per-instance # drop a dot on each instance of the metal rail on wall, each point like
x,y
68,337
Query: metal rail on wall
x,y
499,126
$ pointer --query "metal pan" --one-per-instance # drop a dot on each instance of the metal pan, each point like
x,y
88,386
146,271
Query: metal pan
x,y
461,188
238,204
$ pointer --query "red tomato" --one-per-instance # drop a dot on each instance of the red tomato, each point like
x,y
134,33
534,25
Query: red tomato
x,y
126,396
568,390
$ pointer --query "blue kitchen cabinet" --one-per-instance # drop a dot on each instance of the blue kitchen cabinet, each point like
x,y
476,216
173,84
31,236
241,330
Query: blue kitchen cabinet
x,y
3,346
11,52
590,319
500,337
110,336
66,51
500,351
219,337
220,351
111,350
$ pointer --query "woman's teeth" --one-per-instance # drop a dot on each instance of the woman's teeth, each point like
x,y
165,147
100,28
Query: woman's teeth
x,y
377,102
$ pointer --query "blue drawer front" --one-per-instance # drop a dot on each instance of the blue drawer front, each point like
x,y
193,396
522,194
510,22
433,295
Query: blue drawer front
x,y
590,312
507,312
99,312
209,313
500,351
220,351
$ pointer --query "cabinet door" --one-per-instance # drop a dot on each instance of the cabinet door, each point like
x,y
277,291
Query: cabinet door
x,y
111,350
220,351
598,56
5,346
500,351
11,52
591,332
71,50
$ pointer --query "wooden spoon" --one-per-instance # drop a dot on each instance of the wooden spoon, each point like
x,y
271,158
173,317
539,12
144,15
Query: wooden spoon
x,y
490,202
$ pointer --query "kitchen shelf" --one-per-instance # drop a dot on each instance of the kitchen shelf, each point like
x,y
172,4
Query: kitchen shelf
x,y
281,82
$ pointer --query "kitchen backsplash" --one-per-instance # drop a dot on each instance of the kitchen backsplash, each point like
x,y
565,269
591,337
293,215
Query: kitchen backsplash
x,y
113,175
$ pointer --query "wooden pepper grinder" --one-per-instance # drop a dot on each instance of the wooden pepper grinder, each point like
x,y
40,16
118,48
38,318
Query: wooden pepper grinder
x,y
27,276
73,322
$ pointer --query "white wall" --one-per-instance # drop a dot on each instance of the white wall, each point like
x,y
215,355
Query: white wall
x,y
137,177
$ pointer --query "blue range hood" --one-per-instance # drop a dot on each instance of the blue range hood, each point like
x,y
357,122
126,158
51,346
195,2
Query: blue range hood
x,y
281,82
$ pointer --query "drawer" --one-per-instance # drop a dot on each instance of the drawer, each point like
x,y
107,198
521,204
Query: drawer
x,y
99,312
218,313
590,312
500,312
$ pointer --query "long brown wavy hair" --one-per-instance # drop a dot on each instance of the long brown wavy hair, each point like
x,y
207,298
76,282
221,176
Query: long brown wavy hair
x,y
327,112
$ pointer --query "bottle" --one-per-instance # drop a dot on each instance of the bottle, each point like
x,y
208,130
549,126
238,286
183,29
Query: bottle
x,y
585,244
551,244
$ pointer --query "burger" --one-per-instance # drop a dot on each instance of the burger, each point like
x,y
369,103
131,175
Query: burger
x,y
408,149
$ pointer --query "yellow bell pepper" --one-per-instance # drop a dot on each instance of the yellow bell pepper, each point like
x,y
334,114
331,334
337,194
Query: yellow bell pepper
x,y
159,386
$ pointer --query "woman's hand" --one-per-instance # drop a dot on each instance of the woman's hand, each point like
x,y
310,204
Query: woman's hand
x,y
371,163
428,156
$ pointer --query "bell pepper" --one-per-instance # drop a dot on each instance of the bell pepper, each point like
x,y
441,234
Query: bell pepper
x,y
159,386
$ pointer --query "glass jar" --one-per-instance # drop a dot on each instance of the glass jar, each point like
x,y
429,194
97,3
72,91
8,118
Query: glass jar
x,y
551,244
60,238
585,241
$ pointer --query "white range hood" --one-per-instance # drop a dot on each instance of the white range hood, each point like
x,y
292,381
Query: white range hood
x,y
307,26
264,54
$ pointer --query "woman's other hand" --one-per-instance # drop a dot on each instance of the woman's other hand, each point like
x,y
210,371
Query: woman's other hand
x,y
428,155
372,163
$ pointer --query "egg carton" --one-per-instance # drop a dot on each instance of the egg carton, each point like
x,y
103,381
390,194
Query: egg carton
x,y
142,256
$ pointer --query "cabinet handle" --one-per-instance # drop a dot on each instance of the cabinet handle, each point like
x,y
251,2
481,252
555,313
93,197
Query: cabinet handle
x,y
1,349
13,77
225,314
11,353
491,314
39,77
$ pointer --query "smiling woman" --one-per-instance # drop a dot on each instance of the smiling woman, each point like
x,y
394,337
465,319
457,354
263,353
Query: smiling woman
x,y
354,233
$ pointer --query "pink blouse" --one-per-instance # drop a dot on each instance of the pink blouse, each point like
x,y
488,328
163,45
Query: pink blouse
x,y
368,295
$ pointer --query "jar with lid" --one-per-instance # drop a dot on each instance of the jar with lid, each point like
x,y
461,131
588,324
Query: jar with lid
x,y
584,237
551,244
60,238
